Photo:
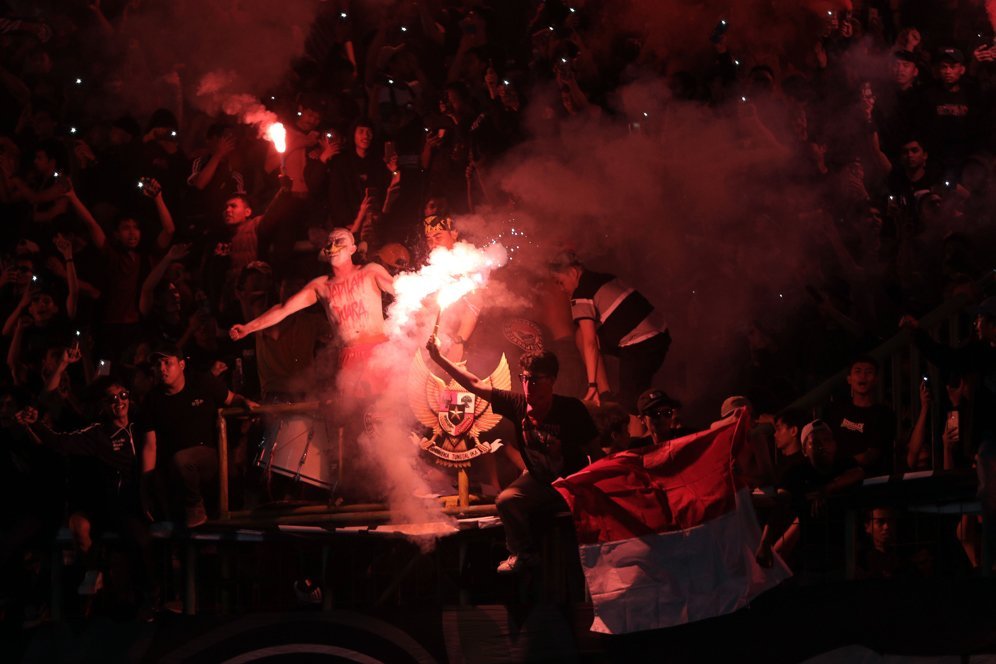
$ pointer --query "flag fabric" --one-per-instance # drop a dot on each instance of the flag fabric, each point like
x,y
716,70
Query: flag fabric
x,y
667,534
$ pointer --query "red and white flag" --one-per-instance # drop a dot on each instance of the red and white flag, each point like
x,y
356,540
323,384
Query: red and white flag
x,y
667,533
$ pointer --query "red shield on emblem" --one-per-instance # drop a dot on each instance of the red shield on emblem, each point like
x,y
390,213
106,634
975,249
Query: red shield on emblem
x,y
456,412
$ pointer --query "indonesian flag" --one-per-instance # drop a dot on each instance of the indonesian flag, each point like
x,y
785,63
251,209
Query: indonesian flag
x,y
667,534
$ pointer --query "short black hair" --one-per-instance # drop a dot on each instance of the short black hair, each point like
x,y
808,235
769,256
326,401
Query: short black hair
x,y
863,359
540,362
794,417
241,196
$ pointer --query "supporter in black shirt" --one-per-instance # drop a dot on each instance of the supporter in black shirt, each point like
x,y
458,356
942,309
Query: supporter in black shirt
x,y
109,500
864,430
180,430
553,433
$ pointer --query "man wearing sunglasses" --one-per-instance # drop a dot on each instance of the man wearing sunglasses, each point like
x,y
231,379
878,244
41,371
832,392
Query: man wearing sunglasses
x,y
660,415
554,434
110,501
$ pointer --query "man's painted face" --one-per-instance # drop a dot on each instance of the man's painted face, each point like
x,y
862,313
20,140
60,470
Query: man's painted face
x,y
440,238
339,248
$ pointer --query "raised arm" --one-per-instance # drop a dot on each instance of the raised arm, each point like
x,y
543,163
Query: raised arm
x,y
385,282
466,379
147,297
154,190
96,232
202,178
303,299
65,248
919,434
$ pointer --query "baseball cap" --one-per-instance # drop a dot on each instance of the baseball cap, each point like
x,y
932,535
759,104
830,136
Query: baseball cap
x,y
951,55
904,54
730,404
166,349
653,398
809,429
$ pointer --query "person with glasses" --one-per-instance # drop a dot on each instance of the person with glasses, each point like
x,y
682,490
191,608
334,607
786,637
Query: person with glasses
x,y
661,415
110,500
554,434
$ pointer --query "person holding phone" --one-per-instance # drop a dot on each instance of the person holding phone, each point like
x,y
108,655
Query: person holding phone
x,y
361,179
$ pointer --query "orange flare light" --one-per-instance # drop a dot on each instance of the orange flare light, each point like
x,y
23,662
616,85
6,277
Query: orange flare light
x,y
277,134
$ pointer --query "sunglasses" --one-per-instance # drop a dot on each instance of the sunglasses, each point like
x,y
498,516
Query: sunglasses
x,y
531,379
120,397
658,413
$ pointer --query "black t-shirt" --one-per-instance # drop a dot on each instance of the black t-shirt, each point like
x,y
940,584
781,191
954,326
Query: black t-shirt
x,y
187,418
799,477
556,447
858,429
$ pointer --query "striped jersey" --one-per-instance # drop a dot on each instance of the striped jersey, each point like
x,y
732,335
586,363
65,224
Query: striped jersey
x,y
622,315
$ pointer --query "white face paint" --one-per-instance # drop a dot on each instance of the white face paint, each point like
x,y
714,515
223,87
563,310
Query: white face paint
x,y
339,248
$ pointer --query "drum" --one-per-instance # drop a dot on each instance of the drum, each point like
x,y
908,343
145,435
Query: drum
x,y
302,448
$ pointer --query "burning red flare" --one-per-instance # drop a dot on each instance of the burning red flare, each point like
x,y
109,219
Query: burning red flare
x,y
277,134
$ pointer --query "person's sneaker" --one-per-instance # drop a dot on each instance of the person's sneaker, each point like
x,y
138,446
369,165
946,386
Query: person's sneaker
x,y
92,582
196,516
516,563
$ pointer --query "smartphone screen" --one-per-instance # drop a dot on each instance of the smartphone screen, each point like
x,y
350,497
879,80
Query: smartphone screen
x,y
389,151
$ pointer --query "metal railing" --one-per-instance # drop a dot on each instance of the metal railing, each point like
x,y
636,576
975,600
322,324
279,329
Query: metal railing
x,y
268,409
900,362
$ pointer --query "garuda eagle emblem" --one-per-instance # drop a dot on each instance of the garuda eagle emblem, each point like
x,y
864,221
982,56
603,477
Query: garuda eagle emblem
x,y
457,417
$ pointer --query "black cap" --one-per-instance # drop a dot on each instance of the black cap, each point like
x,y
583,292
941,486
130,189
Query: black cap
x,y
904,54
166,349
653,398
951,55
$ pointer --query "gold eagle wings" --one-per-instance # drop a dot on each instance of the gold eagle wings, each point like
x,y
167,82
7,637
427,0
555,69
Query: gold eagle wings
x,y
424,388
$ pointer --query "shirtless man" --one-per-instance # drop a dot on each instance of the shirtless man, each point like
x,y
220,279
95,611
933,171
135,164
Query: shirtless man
x,y
351,298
